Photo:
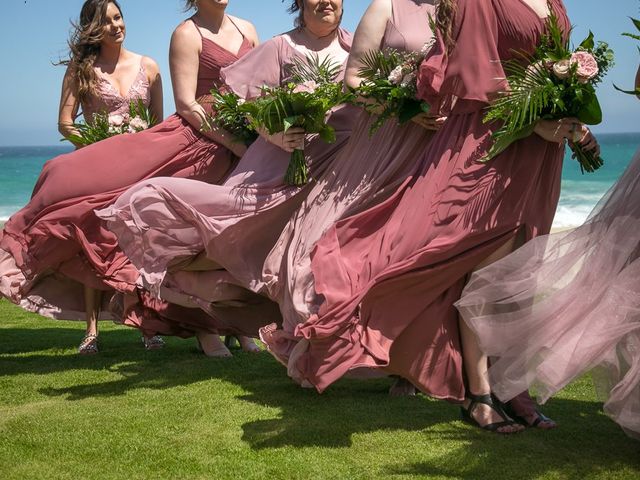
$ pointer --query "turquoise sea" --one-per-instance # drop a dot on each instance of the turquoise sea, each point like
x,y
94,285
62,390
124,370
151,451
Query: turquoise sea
x,y
20,166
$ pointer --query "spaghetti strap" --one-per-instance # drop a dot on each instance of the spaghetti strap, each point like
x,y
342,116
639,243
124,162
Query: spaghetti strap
x,y
197,27
237,27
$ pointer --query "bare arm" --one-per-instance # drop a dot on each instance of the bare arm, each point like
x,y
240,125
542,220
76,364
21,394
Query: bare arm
x,y
68,106
184,54
368,37
155,82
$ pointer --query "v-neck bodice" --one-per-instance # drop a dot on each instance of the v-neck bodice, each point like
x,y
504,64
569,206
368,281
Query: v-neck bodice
x,y
109,100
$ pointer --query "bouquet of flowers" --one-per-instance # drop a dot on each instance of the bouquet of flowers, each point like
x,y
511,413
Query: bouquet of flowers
x,y
556,82
227,114
390,85
103,125
303,102
635,36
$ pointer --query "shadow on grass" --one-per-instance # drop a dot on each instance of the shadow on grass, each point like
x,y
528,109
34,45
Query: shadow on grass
x,y
586,443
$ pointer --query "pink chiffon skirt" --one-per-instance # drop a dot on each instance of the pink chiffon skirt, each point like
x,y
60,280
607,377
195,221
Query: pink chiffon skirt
x,y
568,303
56,245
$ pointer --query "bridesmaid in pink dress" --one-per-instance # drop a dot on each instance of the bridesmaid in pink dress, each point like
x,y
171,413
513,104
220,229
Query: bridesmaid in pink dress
x,y
568,303
368,170
165,223
55,248
390,275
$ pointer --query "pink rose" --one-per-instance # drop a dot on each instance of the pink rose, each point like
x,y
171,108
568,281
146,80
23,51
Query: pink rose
x,y
562,69
307,87
587,66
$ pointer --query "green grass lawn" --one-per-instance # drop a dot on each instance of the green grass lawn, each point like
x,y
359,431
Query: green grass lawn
x,y
127,413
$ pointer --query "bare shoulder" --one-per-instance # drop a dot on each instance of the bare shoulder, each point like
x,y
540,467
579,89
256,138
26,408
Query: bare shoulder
x,y
247,28
186,33
380,7
150,65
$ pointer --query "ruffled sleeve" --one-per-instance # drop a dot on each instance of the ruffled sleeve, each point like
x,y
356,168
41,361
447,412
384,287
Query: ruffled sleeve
x,y
473,69
260,67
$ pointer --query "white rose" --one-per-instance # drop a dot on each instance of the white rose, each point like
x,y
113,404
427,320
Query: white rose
x,y
137,124
395,76
116,120
562,69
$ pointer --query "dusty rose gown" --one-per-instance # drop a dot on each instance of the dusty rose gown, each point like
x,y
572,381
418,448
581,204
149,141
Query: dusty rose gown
x,y
366,172
390,275
164,221
568,303
56,244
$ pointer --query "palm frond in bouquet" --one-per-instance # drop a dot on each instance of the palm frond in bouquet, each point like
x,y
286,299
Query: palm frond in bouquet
x,y
228,115
389,85
304,104
555,82
635,36
103,125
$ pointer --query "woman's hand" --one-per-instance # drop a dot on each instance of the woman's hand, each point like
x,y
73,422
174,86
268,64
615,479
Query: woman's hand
x,y
429,122
570,129
290,141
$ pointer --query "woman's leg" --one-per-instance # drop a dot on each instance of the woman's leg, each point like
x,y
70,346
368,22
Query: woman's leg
x,y
476,362
92,301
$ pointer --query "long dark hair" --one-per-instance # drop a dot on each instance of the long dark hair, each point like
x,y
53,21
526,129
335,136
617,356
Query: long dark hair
x,y
296,8
190,5
445,16
84,45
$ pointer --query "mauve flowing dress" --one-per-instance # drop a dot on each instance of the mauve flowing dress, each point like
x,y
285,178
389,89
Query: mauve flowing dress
x,y
568,303
390,276
165,221
55,244
366,172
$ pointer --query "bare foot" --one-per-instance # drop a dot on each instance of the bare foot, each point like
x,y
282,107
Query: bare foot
x,y
402,388
211,345
248,344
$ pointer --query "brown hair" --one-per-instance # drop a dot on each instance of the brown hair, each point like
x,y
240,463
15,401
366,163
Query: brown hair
x,y
84,45
445,16
190,5
296,8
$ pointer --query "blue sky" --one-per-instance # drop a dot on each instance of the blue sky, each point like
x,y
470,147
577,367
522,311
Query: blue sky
x,y
35,32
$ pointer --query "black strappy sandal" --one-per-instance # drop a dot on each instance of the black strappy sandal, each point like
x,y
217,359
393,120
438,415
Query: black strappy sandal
x,y
540,418
467,414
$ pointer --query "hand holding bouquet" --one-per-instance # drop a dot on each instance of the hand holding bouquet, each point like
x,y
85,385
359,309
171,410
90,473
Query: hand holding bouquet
x,y
553,84
304,102
227,114
103,125
390,85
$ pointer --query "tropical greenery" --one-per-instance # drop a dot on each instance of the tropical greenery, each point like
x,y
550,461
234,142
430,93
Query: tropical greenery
x,y
389,85
227,115
103,125
303,102
548,85
635,36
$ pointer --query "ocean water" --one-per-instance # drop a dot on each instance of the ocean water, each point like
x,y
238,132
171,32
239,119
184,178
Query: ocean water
x,y
20,166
